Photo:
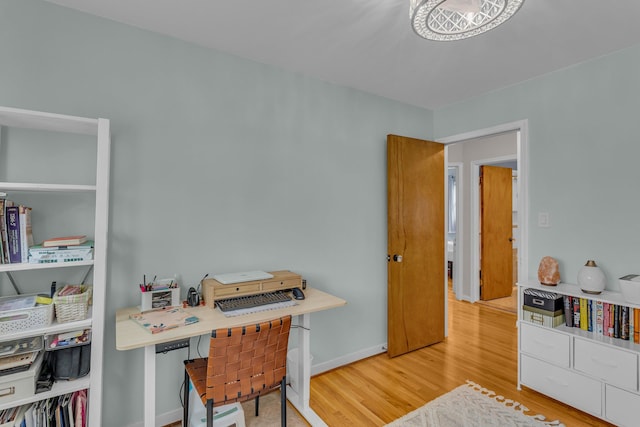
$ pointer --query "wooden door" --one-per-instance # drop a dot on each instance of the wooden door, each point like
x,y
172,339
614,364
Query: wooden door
x,y
415,244
496,247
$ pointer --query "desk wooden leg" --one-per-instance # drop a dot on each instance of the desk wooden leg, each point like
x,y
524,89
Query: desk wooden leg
x,y
300,398
150,386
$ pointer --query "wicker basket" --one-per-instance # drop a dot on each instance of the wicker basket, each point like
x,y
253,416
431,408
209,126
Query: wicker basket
x,y
70,308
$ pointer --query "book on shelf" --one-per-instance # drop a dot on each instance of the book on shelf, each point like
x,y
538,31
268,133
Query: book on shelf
x,y
26,232
54,249
12,214
624,322
41,255
599,317
568,311
576,312
636,326
65,241
584,315
3,229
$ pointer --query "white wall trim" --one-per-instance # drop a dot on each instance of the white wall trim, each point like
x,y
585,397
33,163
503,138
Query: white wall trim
x,y
458,256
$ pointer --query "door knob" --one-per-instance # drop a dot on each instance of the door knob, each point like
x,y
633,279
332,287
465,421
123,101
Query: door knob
x,y
397,258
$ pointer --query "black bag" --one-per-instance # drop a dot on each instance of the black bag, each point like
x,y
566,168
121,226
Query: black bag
x,y
71,363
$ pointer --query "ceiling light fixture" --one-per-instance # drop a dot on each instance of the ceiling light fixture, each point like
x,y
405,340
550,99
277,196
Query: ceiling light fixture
x,y
446,20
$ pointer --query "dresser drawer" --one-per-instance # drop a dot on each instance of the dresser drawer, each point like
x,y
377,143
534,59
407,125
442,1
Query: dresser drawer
x,y
574,389
621,407
613,365
545,343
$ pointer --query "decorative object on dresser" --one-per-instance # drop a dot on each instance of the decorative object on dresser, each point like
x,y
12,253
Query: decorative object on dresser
x,y
591,278
549,271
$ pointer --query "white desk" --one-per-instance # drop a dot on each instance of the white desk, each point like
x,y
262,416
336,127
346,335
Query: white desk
x,y
130,335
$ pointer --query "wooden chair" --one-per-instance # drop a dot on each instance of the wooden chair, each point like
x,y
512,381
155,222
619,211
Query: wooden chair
x,y
243,363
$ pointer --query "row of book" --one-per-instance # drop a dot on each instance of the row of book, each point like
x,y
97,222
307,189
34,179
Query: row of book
x,y
16,235
17,244
610,320
68,410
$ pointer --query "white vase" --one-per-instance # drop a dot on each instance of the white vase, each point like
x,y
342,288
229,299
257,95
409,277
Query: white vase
x,y
591,278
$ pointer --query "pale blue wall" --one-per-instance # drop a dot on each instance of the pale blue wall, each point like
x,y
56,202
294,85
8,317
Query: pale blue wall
x,y
584,145
218,164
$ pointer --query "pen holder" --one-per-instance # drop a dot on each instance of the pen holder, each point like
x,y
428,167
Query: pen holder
x,y
160,298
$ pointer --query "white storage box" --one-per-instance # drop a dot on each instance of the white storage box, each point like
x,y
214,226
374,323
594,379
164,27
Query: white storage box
x,y
21,384
630,287
17,313
160,299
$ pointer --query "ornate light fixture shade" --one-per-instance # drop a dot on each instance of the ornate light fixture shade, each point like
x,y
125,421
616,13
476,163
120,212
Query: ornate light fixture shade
x,y
447,20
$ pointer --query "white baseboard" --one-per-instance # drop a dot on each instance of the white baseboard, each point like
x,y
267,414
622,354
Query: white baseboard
x,y
176,414
163,419
348,358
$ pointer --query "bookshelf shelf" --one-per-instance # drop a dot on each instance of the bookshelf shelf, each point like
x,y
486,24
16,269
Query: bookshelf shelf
x,y
25,266
590,371
65,188
99,131
59,388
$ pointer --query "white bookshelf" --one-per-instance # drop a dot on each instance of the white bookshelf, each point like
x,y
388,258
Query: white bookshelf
x,y
592,372
99,130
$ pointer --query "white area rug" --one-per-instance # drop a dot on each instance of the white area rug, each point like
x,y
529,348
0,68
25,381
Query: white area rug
x,y
472,405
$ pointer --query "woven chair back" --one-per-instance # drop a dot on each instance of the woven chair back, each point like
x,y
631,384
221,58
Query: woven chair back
x,y
246,362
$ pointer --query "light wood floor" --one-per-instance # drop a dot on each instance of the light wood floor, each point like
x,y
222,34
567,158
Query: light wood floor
x,y
481,347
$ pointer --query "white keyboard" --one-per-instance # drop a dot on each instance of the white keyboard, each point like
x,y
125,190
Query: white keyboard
x,y
245,276
256,309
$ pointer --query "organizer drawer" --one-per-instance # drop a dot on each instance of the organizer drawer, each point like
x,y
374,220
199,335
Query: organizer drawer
x,y
621,406
20,384
574,389
615,366
545,343
236,289
281,284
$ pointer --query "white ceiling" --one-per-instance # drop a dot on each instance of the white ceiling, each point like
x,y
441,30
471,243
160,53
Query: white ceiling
x,y
369,44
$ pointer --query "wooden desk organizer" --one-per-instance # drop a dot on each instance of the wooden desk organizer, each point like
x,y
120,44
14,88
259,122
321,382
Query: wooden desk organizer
x,y
213,290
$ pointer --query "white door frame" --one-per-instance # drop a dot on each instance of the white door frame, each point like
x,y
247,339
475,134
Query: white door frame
x,y
522,156
457,256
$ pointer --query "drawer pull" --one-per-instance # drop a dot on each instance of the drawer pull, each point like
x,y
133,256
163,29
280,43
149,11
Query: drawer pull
x,y
544,344
602,362
555,381
7,391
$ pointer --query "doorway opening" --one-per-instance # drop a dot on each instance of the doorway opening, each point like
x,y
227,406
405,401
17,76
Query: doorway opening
x,y
465,277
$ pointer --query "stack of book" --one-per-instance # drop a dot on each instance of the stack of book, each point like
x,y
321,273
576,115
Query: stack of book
x,y
62,249
16,235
